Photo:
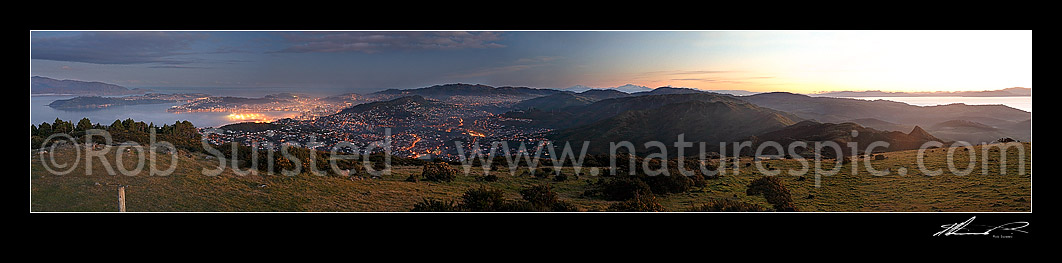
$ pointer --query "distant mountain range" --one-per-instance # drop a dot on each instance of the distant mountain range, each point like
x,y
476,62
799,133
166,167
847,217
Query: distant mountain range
x,y
1008,92
578,88
628,88
826,109
460,89
667,90
634,89
601,94
45,85
892,115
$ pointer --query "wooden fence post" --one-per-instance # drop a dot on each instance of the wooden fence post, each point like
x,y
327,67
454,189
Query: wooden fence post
x,y
121,198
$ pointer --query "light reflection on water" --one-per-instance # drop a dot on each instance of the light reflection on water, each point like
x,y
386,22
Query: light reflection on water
x,y
260,117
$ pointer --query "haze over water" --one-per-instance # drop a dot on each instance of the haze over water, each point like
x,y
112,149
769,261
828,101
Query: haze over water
x,y
1021,103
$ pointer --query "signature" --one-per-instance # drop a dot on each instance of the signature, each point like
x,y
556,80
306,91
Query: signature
x,y
960,229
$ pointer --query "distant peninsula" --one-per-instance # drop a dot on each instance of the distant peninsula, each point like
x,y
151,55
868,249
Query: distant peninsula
x,y
1008,92
82,103
45,85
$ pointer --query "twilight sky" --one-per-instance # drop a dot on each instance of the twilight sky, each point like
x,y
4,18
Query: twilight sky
x,y
358,61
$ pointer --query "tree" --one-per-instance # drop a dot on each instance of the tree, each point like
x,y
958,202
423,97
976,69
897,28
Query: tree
x,y
84,124
129,124
44,130
60,126
116,126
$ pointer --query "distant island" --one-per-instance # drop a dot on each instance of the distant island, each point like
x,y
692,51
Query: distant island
x,y
1008,92
45,85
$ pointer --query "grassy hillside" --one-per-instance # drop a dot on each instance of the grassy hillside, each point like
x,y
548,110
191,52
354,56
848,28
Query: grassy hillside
x,y
187,190
697,121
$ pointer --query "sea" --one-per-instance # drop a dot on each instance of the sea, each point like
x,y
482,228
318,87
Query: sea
x,y
156,113
1021,103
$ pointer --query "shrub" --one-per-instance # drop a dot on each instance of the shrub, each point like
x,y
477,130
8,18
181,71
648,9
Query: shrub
x,y
560,178
412,178
542,198
490,178
879,157
623,188
699,180
774,191
439,171
518,207
561,206
483,199
542,173
727,205
604,172
539,195
665,184
432,205
638,203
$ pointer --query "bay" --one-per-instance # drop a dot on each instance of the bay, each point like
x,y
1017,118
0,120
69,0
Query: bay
x,y
148,113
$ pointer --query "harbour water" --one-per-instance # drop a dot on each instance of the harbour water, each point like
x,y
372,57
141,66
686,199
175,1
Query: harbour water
x,y
149,113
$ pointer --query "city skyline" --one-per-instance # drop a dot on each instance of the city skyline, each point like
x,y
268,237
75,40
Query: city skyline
x,y
368,61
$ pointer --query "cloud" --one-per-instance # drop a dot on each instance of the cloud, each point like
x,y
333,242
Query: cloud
x,y
736,80
538,59
374,42
688,72
518,65
177,66
115,47
711,80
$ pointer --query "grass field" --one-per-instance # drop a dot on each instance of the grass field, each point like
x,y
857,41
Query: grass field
x,y
186,189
